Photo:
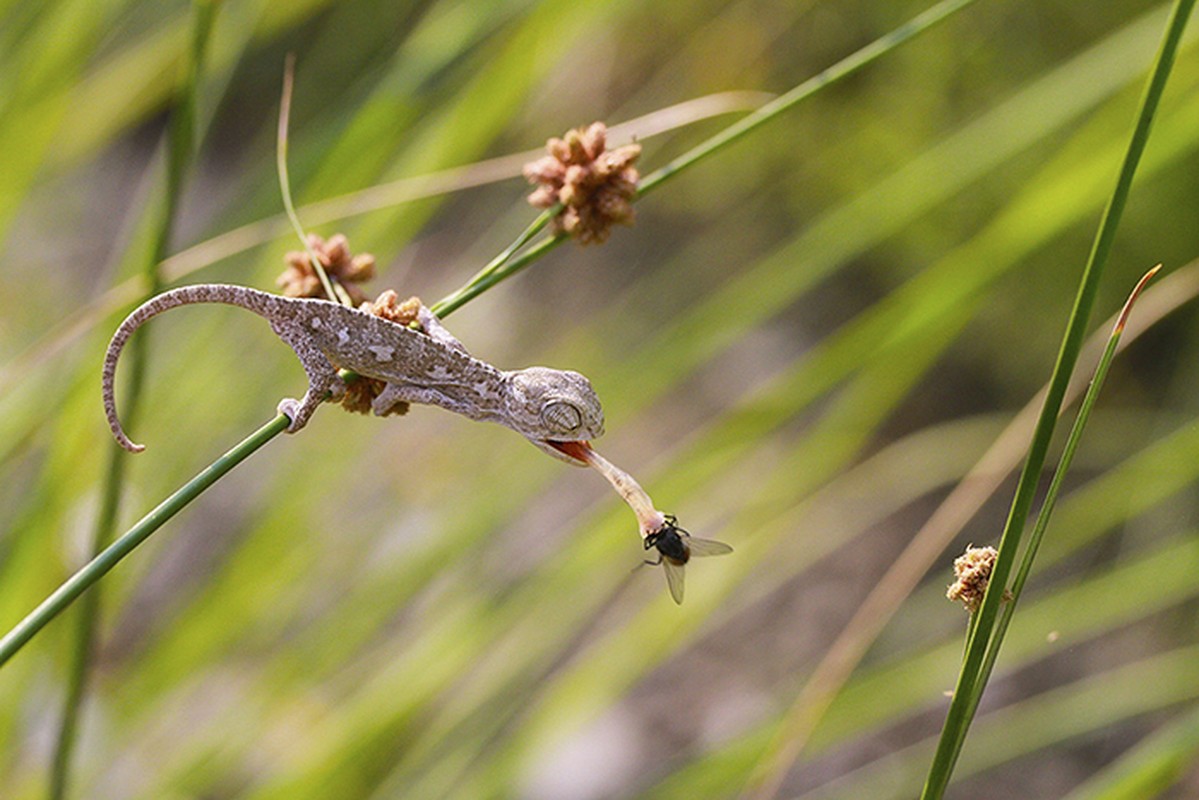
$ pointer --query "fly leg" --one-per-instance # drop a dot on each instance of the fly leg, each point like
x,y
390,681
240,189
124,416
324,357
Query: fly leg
x,y
647,563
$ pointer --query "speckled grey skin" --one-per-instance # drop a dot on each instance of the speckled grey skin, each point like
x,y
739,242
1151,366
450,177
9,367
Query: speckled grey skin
x,y
430,367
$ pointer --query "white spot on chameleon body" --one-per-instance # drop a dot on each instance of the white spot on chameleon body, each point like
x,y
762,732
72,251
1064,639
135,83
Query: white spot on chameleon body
x,y
382,352
343,336
315,323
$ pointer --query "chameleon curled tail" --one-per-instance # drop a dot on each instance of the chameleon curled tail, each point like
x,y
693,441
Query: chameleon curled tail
x,y
261,303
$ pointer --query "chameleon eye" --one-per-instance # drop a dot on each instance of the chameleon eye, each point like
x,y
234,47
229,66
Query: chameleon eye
x,y
561,417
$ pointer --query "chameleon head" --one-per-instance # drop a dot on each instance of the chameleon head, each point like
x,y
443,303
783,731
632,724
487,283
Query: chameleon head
x,y
551,405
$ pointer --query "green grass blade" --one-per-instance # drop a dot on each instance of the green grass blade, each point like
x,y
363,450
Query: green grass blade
x,y
970,684
1055,485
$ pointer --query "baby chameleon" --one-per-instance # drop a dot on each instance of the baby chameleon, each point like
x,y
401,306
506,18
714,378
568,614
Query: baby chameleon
x,y
544,405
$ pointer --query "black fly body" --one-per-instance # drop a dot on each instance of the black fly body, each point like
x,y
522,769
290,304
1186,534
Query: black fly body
x,y
675,548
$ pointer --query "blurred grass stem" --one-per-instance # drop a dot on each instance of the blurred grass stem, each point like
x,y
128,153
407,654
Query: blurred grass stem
x,y
180,145
842,69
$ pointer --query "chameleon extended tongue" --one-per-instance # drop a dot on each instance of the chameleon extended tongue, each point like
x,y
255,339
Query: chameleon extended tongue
x,y
675,546
649,518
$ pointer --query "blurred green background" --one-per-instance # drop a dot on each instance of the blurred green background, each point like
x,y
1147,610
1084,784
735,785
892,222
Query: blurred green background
x,y
802,346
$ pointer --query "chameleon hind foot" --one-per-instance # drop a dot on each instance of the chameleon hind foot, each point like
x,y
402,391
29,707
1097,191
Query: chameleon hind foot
x,y
290,408
300,411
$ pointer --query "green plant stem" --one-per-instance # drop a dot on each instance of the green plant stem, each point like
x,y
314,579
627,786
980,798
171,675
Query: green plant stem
x,y
482,282
1055,485
83,643
484,278
99,566
289,72
1067,458
179,149
496,271
970,682
503,266
842,69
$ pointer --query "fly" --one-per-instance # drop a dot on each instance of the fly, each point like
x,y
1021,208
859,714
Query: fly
x,y
675,548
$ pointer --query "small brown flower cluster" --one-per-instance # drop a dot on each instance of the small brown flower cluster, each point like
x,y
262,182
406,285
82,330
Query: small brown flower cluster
x,y
596,186
388,307
973,572
360,393
301,280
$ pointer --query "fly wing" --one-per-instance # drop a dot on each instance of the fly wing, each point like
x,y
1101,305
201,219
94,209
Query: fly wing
x,y
674,579
707,547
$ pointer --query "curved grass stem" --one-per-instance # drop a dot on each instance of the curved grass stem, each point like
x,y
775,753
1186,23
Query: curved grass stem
x,y
289,73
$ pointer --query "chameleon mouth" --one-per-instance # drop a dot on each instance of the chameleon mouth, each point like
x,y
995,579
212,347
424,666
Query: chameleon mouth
x,y
579,452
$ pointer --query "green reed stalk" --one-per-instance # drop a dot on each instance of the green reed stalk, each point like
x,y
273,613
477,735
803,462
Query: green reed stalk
x,y
972,678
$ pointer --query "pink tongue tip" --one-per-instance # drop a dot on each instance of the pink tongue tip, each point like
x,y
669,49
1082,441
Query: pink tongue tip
x,y
576,450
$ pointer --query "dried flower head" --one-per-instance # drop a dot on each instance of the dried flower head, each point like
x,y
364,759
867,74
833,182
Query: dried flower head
x,y
301,280
973,572
387,305
596,185
360,393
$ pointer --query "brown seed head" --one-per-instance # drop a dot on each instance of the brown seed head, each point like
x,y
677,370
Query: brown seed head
x,y
387,305
301,280
973,572
597,186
